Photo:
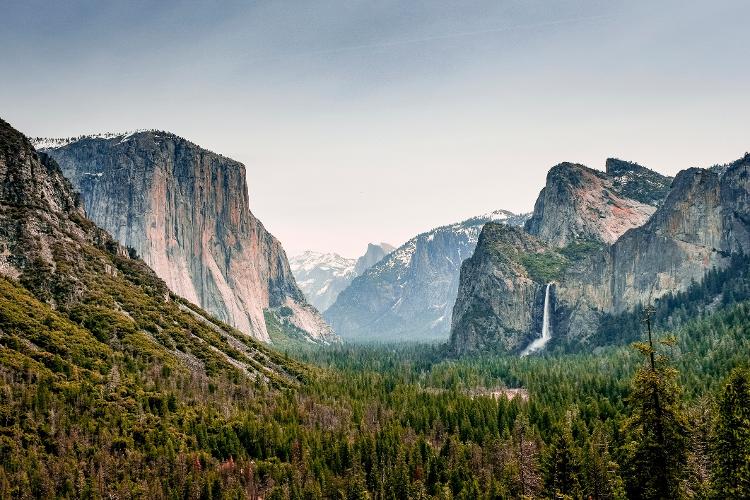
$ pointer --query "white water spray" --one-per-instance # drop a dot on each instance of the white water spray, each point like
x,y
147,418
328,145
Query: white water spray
x,y
539,343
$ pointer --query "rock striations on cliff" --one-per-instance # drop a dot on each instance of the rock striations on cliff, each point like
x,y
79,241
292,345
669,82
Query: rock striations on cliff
x,y
704,220
185,211
607,241
409,294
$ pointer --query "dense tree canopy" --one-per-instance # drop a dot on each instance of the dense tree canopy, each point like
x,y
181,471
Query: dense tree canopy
x,y
81,416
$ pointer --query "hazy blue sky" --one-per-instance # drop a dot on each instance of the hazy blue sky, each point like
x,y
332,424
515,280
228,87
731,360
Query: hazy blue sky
x,y
376,120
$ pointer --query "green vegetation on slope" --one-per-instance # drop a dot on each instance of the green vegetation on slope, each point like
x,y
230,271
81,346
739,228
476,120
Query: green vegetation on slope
x,y
396,422
544,267
284,335
122,390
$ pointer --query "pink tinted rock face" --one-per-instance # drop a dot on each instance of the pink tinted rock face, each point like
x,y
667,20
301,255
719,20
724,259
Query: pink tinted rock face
x,y
185,211
579,203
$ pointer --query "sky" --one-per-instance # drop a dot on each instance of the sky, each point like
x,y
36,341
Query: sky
x,y
368,121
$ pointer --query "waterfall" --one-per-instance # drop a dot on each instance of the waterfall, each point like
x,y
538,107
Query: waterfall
x,y
539,343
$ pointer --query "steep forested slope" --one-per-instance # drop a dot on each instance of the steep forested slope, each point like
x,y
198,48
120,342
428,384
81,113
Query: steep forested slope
x,y
105,373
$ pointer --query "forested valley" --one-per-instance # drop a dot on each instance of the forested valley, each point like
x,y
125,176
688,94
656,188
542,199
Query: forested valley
x,y
388,421
112,385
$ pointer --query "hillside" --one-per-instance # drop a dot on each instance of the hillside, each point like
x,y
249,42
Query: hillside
x,y
90,337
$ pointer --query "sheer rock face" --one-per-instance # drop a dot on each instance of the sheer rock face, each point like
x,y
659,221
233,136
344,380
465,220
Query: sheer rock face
x,y
579,203
373,255
703,220
409,294
498,303
185,211
58,261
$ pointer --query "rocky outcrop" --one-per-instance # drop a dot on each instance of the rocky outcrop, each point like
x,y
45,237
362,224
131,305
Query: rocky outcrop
x,y
322,276
185,211
40,216
373,255
499,304
409,295
703,220
582,204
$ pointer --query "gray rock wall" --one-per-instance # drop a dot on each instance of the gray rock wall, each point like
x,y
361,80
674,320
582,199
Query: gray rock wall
x,y
703,220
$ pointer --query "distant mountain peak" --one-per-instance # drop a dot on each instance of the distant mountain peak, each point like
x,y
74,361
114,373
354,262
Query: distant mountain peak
x,y
322,276
375,252
579,203
409,294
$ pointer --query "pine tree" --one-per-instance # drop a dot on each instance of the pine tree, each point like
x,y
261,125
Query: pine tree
x,y
526,458
603,481
656,429
732,438
563,465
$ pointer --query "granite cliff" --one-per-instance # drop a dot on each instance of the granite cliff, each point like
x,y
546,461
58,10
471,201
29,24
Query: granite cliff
x,y
579,203
185,211
607,241
498,300
75,303
374,254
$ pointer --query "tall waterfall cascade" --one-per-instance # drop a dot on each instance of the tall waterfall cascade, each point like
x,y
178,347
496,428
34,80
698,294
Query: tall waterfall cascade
x,y
539,343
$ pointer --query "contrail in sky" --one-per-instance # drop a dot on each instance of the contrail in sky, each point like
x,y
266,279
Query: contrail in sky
x,y
448,36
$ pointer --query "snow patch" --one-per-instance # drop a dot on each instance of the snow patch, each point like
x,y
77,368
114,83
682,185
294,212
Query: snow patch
x,y
58,142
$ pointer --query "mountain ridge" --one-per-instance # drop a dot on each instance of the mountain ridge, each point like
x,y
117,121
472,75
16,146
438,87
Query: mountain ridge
x,y
322,276
409,295
703,219
580,203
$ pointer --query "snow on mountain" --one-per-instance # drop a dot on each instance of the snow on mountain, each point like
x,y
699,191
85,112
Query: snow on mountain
x,y
409,295
322,276
40,143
